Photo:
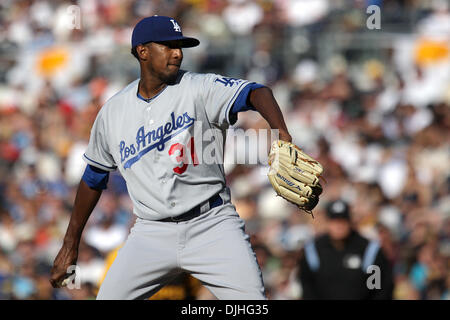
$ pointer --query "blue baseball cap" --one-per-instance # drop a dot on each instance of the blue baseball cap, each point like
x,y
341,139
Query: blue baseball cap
x,y
160,28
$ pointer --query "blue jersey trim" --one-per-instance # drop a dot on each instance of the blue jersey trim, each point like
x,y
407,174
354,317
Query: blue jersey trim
x,y
102,165
242,103
95,178
227,110
149,99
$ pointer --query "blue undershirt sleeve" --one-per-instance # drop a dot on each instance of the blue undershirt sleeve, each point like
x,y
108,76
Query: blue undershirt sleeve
x,y
95,178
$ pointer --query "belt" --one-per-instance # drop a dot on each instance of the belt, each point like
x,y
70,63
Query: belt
x,y
213,202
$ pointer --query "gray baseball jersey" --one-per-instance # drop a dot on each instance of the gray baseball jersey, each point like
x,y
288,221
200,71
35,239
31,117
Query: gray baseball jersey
x,y
153,143
157,150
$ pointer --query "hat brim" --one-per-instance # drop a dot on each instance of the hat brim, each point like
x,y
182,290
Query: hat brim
x,y
189,42
186,42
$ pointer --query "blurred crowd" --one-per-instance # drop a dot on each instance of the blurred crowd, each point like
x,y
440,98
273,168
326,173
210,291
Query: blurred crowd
x,y
376,115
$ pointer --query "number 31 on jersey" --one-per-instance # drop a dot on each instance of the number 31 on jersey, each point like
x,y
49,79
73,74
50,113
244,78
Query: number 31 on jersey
x,y
182,157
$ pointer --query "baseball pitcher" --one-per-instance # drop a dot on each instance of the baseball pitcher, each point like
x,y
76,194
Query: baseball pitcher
x,y
151,131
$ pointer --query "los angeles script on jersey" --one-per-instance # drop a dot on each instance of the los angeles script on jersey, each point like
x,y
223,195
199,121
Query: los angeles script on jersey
x,y
158,136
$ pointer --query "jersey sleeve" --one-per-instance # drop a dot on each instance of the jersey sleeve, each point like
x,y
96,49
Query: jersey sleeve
x,y
97,153
242,102
219,94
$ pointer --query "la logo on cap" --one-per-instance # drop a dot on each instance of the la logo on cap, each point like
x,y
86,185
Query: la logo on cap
x,y
176,27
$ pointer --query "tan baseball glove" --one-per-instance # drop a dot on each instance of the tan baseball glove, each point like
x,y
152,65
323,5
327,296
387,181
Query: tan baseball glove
x,y
294,175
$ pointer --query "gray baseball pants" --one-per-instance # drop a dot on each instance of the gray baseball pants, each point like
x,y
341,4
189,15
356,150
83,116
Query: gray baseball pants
x,y
212,247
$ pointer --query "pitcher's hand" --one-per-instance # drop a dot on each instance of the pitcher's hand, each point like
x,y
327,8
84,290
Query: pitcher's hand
x,y
67,256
